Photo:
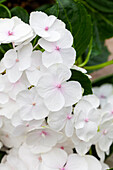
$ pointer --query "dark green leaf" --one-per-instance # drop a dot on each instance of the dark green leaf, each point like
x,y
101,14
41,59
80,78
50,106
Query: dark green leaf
x,y
3,49
102,5
21,13
83,80
1,1
98,59
4,12
49,9
78,22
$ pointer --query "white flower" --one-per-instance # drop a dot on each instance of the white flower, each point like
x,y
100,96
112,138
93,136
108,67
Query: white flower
x,y
31,105
43,139
46,26
59,51
105,136
56,92
16,62
103,92
58,159
87,119
34,72
66,121
14,30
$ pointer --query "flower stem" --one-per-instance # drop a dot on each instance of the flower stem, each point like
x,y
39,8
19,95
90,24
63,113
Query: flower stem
x,y
88,55
99,66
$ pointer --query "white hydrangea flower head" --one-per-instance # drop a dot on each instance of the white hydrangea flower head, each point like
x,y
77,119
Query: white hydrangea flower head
x,y
58,93
14,30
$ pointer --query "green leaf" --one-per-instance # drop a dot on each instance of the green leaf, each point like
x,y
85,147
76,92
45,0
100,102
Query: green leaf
x,y
1,1
3,49
21,13
78,22
49,9
83,80
4,12
102,5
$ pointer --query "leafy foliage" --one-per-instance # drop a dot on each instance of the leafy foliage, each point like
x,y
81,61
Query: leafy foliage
x,y
4,12
21,13
83,80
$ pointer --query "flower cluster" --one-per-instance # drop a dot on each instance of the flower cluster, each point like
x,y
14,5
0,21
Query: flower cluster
x,y
43,115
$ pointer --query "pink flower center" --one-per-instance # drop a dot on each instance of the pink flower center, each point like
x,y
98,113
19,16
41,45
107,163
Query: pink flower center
x,y
62,147
58,86
112,112
17,60
57,48
46,28
43,133
39,158
10,33
105,132
62,169
69,116
102,97
34,104
86,120
27,125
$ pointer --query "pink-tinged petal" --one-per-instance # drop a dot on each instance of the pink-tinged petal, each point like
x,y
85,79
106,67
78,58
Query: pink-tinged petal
x,y
60,72
56,158
9,59
48,46
68,56
76,162
55,100
93,163
66,39
72,92
24,55
14,74
49,59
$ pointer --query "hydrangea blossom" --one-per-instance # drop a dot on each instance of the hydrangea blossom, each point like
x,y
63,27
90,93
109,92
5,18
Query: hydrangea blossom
x,y
14,30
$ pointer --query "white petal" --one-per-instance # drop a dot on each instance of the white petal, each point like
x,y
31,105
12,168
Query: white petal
x,y
55,100
93,163
9,59
68,56
25,57
14,74
56,158
76,162
51,58
72,92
